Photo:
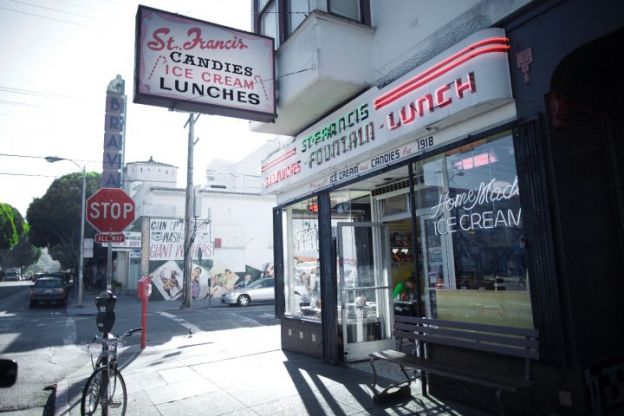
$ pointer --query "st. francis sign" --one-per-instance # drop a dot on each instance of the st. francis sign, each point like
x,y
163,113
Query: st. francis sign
x,y
191,65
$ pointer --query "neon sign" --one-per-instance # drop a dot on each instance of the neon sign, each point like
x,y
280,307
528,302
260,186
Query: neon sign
x,y
383,126
491,45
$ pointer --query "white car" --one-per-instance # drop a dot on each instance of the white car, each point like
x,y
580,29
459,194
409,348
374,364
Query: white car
x,y
13,274
260,291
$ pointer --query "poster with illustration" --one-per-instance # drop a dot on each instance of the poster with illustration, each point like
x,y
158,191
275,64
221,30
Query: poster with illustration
x,y
210,278
168,280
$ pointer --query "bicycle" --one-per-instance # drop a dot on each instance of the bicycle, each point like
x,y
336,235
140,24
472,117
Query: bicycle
x,y
105,387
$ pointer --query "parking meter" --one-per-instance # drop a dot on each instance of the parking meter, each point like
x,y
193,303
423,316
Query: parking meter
x,y
105,304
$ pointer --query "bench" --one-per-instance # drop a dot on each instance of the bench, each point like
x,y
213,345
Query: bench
x,y
419,332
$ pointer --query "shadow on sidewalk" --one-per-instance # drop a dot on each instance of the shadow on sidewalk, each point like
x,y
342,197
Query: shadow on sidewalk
x,y
342,390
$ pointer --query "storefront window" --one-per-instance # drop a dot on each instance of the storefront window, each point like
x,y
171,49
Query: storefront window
x,y
470,221
302,283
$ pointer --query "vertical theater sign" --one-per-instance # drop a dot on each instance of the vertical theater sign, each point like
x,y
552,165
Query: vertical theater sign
x,y
114,132
190,65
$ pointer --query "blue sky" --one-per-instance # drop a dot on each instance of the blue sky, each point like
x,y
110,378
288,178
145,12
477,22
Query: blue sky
x,y
56,60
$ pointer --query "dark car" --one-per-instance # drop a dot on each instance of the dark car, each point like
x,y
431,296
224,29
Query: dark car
x,y
50,290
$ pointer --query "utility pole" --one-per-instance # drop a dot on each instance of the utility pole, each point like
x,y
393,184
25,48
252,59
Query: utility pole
x,y
52,159
82,227
188,240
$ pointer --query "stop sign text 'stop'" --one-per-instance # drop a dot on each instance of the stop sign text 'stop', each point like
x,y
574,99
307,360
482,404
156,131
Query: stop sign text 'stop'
x,y
110,210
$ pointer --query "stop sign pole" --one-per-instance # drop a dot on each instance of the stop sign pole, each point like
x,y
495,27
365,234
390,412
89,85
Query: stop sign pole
x,y
110,210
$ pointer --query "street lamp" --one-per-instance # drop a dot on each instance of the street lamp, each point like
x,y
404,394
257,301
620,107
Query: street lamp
x,y
52,159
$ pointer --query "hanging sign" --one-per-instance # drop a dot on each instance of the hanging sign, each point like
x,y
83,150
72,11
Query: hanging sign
x,y
190,65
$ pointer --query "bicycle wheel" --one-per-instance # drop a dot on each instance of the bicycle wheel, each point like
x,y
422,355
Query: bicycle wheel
x,y
116,397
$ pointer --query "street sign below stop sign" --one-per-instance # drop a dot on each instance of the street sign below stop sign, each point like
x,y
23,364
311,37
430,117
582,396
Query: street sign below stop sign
x,y
110,210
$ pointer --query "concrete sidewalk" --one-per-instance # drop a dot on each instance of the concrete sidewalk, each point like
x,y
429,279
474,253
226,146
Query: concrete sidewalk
x,y
242,372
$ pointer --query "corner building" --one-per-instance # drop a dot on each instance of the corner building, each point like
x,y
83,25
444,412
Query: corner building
x,y
458,161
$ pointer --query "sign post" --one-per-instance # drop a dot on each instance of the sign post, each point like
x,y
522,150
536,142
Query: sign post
x,y
110,211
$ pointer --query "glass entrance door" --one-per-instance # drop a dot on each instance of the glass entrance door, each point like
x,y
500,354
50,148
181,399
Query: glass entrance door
x,y
365,311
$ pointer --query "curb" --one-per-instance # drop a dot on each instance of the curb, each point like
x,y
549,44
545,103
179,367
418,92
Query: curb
x,y
61,400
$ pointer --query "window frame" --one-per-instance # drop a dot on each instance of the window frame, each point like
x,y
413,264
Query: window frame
x,y
364,9
284,31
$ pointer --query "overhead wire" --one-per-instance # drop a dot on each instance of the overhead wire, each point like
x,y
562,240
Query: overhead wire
x,y
33,92
28,174
44,17
54,10
43,157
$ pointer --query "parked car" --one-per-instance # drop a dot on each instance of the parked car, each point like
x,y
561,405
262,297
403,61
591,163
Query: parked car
x,y
59,275
49,289
262,290
13,274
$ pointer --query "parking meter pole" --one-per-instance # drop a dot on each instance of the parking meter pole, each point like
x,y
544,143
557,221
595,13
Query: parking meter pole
x,y
144,291
143,323
109,266
105,320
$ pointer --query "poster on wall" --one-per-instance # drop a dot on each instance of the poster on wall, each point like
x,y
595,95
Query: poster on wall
x,y
210,277
167,240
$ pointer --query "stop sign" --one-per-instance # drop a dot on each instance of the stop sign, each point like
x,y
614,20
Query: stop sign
x,y
110,210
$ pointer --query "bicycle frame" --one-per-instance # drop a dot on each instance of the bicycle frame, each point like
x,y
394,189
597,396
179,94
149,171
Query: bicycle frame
x,y
106,363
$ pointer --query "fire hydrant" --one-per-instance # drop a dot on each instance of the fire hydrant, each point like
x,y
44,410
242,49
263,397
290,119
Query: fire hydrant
x,y
144,291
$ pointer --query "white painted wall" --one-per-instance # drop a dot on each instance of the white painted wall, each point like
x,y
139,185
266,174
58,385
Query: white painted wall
x,y
244,223
239,214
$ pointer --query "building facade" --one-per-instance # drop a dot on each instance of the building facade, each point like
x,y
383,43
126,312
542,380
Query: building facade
x,y
232,225
460,163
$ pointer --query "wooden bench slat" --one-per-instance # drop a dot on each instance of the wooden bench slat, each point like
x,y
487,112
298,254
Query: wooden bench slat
x,y
499,349
409,331
528,332
513,341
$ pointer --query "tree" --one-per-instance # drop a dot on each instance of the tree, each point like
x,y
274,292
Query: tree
x,y
23,254
15,249
54,218
11,226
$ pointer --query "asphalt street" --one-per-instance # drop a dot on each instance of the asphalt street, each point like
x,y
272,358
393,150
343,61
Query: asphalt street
x,y
49,343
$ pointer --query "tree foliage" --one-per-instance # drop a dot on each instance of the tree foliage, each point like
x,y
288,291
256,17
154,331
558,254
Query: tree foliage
x,y
54,218
12,226
15,249
23,254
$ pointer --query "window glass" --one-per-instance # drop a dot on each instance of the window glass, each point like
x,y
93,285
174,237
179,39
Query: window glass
x,y
346,8
262,3
395,205
302,283
470,218
297,12
269,22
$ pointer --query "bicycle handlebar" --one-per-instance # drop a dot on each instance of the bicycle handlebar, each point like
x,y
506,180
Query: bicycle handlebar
x,y
111,337
132,332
